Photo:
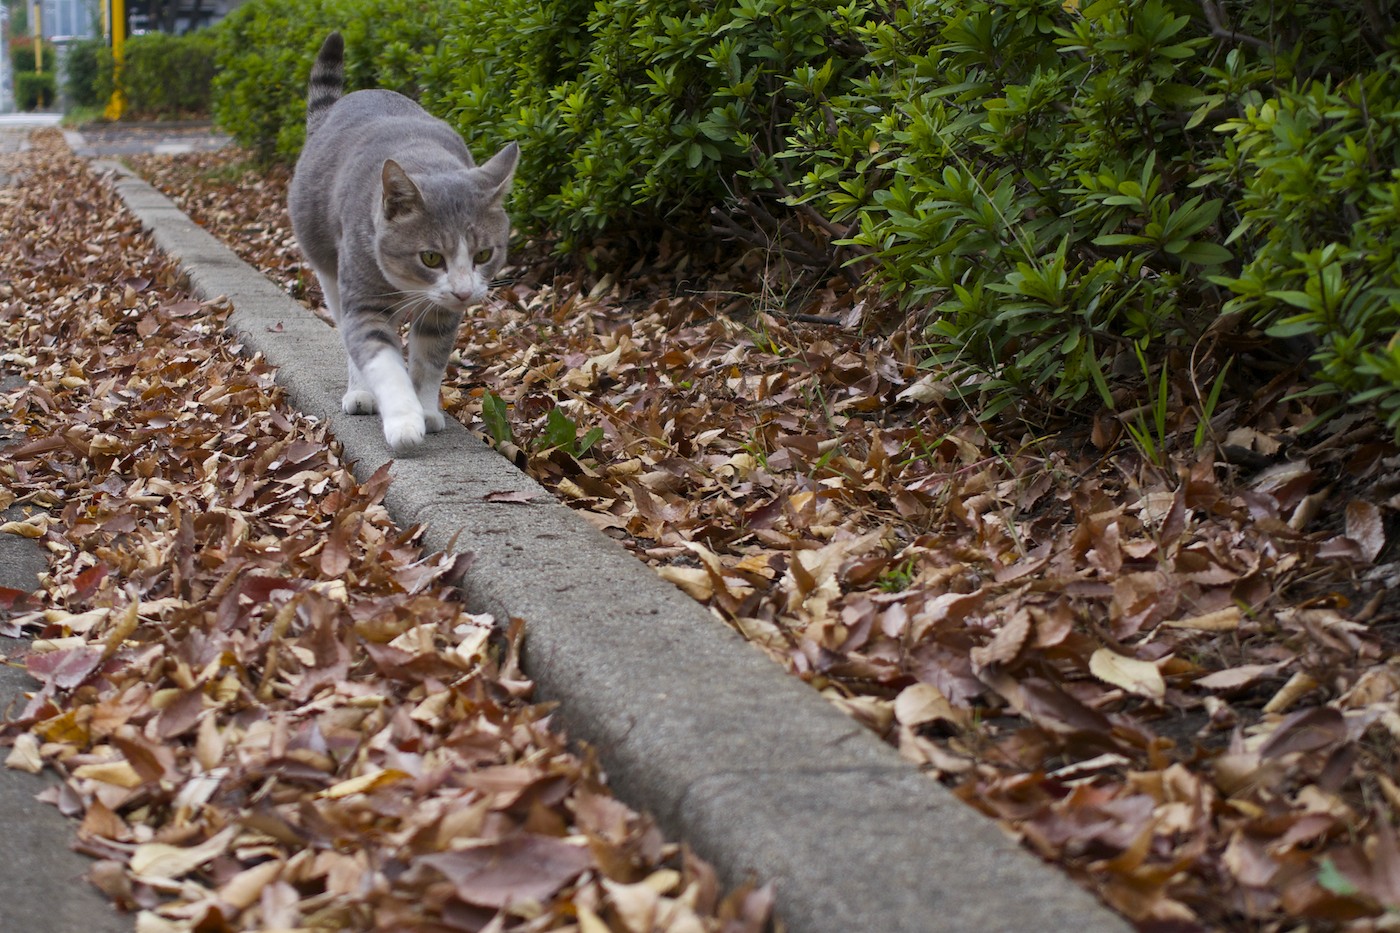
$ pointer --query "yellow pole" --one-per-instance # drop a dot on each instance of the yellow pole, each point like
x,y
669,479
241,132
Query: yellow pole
x,y
38,38
117,105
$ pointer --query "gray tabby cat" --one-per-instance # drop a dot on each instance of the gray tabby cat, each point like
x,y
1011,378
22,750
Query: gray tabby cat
x,y
398,223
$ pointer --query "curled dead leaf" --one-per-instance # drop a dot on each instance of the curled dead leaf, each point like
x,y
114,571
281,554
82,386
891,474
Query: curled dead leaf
x,y
1365,527
154,860
1140,678
1221,620
1297,687
694,581
517,870
364,783
244,888
24,756
117,773
29,528
922,703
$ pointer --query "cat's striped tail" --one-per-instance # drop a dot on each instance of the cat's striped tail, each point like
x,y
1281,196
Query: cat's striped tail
x,y
327,81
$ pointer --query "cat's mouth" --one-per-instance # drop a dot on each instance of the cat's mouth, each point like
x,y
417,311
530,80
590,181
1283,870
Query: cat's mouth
x,y
456,301
461,301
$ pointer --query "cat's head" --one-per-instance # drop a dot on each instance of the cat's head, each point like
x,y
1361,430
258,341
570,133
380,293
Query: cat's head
x,y
443,236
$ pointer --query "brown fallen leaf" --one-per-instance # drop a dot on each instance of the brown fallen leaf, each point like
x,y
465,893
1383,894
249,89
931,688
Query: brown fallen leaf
x,y
1221,620
157,860
510,495
1236,678
1297,687
1365,526
517,870
922,703
1141,678
365,783
24,755
1010,638
29,528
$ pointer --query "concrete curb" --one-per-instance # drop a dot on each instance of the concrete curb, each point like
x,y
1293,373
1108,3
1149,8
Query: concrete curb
x,y
748,765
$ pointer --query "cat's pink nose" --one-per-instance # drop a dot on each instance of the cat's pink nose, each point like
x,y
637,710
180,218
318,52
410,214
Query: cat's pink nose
x,y
462,296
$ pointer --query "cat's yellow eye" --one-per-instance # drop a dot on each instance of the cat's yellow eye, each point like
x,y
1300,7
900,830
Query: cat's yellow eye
x,y
483,256
430,259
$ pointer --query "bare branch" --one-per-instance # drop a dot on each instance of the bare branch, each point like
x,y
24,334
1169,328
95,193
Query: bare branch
x,y
1220,30
727,226
1379,23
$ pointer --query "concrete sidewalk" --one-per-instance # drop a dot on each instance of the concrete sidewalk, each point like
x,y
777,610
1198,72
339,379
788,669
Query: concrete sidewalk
x,y
751,767
114,140
28,121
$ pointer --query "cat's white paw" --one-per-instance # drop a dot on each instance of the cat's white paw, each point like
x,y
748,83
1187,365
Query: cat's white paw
x,y
404,432
434,420
358,402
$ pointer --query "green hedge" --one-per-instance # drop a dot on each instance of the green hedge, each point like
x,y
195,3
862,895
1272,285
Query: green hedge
x,y
163,76
84,64
35,91
642,116
1319,208
22,54
167,77
1064,187
265,49
1064,191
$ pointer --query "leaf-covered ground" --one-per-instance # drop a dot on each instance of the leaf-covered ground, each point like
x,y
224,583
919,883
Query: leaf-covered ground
x,y
1176,679
269,707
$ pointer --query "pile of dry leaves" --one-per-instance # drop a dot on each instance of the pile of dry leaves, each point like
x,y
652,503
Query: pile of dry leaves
x,y
1177,680
270,709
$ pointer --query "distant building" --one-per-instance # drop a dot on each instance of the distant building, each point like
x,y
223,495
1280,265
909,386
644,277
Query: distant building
x,y
176,16
66,19
79,19
61,21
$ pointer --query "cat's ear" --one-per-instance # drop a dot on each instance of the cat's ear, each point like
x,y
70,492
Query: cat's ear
x,y
498,172
401,195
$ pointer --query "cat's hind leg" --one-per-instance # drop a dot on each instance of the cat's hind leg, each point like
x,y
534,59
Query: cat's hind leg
x,y
330,288
431,337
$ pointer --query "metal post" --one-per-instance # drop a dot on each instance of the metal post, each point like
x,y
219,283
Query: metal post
x,y
38,37
7,102
117,18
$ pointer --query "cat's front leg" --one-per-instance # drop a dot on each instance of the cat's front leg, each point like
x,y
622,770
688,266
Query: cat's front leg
x,y
374,351
431,338
358,400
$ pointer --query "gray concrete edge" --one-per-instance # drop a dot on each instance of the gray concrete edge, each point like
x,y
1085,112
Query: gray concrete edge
x,y
752,768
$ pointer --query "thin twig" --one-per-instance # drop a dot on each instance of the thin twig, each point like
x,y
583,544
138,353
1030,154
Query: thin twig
x,y
1377,21
811,319
1219,30
728,227
819,256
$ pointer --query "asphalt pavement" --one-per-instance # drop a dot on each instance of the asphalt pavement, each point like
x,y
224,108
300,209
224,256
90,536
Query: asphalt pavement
x,y
752,768
42,885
